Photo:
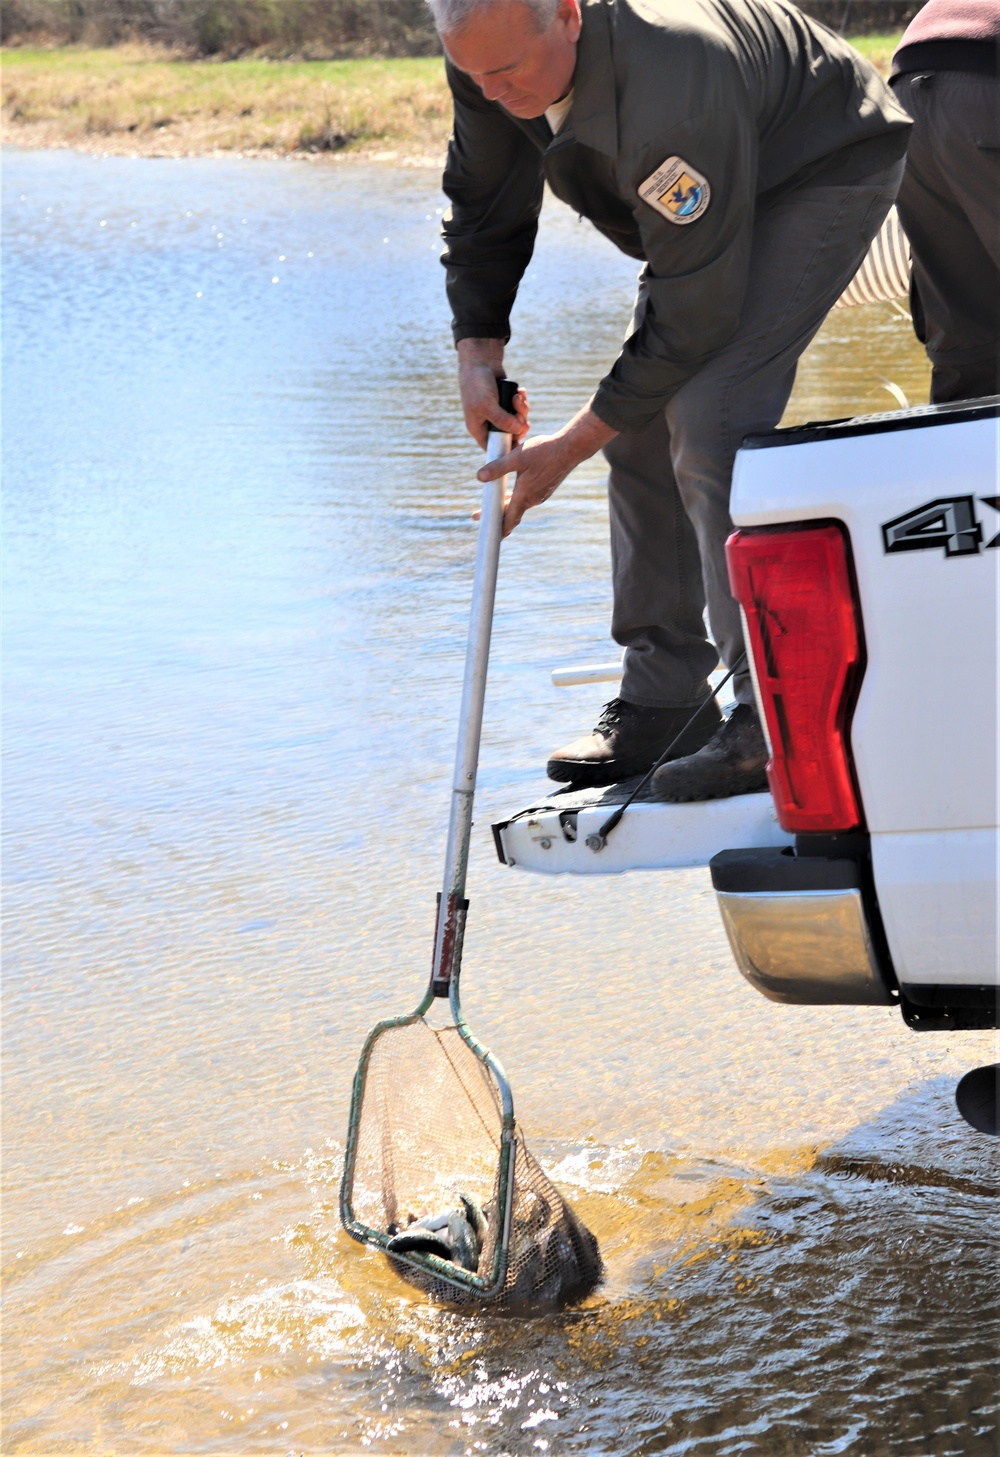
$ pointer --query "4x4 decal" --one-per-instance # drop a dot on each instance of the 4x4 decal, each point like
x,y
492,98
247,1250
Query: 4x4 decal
x,y
949,522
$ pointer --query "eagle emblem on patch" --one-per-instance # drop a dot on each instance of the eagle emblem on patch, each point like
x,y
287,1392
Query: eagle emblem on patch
x,y
677,190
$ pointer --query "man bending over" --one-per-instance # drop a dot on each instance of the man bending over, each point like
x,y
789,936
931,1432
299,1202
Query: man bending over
x,y
745,156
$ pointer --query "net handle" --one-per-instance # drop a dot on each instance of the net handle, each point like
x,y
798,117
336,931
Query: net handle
x,y
452,905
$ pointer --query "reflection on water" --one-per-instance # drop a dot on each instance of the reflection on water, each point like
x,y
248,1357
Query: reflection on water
x,y
237,573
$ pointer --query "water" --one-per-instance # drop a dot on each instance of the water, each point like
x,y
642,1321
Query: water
x,y
237,575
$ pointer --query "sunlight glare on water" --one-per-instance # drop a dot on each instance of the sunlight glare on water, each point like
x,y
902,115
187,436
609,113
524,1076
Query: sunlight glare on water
x,y
237,563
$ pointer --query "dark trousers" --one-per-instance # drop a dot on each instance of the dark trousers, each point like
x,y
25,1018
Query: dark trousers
x,y
949,203
669,484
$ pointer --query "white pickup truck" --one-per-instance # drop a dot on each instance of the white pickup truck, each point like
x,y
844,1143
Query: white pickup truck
x,y
866,559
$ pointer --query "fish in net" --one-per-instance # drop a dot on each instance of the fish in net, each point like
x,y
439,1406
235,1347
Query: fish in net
x,y
426,1178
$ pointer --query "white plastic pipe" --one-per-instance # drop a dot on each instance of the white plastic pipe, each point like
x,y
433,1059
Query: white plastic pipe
x,y
595,673
885,271
590,673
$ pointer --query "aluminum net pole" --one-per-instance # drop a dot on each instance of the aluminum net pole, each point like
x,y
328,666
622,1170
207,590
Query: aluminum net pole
x,y
451,911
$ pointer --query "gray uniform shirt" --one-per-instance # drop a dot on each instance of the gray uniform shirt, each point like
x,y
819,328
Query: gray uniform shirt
x,y
687,116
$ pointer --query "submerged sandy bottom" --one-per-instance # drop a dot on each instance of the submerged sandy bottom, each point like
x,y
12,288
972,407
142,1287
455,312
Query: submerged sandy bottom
x,y
238,555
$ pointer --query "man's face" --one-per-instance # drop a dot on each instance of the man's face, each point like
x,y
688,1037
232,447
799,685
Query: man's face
x,y
511,60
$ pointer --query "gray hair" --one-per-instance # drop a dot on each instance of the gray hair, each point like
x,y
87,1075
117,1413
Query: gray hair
x,y
452,15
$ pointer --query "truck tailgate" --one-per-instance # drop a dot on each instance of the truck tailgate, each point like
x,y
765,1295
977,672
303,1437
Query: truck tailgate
x,y
917,492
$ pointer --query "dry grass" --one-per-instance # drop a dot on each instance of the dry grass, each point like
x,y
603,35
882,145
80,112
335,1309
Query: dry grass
x,y
138,100
878,48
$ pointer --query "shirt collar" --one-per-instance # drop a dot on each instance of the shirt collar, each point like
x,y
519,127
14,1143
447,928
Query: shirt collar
x,y
594,117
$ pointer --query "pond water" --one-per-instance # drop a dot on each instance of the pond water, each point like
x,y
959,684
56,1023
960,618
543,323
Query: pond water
x,y
238,555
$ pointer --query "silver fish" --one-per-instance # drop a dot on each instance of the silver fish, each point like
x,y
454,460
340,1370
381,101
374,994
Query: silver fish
x,y
420,1241
432,1221
476,1216
462,1238
453,1234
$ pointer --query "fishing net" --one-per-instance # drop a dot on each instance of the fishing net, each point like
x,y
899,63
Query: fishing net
x,y
428,1147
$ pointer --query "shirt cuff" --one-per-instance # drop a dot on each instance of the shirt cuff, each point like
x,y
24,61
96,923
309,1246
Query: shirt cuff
x,y
637,413
491,329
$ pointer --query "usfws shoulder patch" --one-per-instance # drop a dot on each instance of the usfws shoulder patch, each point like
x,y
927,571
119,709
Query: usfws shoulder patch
x,y
677,190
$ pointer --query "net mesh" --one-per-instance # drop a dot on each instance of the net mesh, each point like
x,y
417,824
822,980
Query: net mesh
x,y
428,1139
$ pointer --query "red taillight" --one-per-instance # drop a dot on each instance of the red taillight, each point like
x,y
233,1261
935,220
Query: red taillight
x,y
795,587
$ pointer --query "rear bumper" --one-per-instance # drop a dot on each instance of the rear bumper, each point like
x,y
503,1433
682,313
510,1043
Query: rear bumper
x,y
799,928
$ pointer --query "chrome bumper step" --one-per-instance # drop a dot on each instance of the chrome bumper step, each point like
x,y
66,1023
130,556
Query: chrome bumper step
x,y
799,929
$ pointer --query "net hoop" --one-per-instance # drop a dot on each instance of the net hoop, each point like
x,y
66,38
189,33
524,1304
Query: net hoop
x,y
433,1265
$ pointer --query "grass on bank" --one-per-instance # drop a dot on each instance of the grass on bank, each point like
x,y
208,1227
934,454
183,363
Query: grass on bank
x,y
135,99
877,48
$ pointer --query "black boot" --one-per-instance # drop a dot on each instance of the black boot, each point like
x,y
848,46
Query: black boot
x,y
732,762
628,740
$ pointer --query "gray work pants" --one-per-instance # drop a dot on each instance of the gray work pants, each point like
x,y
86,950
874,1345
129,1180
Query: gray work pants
x,y
949,203
669,484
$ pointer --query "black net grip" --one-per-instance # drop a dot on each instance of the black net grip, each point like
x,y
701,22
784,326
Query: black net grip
x,y
451,946
506,389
